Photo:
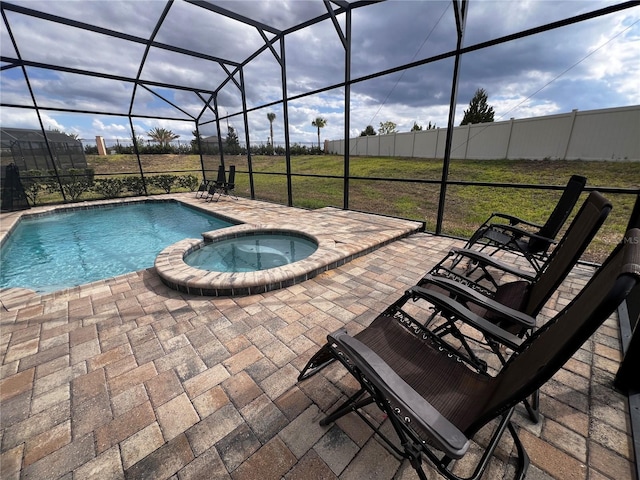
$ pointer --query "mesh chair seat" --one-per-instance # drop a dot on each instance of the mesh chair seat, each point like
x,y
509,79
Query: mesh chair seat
x,y
434,371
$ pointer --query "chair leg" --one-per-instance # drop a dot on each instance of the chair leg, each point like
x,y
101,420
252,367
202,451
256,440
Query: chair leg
x,y
523,458
353,405
532,404
320,359
443,464
349,405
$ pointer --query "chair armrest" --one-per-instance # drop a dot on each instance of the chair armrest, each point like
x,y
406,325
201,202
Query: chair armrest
x,y
490,261
462,313
467,294
513,220
447,437
520,232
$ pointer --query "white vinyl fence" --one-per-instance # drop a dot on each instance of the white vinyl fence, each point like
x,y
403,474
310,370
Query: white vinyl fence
x,y
609,134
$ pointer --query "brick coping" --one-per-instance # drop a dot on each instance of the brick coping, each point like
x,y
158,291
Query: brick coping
x,y
335,248
177,274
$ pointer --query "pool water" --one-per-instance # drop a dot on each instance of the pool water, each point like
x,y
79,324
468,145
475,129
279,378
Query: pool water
x,y
74,247
250,253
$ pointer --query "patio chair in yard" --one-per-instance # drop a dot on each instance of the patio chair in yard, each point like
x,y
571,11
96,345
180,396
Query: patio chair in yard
x,y
218,185
436,403
526,238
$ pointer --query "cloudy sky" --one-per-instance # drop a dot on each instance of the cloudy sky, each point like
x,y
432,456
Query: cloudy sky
x,y
592,65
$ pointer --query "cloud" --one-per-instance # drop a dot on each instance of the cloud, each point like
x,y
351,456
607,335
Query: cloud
x,y
589,65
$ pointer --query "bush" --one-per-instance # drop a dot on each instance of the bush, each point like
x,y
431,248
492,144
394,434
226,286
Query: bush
x,y
134,184
164,182
75,181
109,187
190,182
34,182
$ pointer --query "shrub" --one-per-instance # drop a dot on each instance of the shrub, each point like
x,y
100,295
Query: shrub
x,y
165,182
190,182
134,184
34,182
75,181
109,187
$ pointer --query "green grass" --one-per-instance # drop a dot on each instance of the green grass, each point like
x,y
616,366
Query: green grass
x,y
466,206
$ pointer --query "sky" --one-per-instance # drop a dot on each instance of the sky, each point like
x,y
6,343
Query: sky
x,y
591,65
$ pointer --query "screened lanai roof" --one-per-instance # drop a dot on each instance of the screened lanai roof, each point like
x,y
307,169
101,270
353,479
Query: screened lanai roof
x,y
196,61
148,49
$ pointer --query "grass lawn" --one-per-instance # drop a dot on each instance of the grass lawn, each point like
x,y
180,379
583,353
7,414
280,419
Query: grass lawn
x,y
466,206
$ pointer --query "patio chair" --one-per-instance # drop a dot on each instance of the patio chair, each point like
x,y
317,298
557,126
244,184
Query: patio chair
x,y
218,185
436,403
531,244
203,188
513,305
230,184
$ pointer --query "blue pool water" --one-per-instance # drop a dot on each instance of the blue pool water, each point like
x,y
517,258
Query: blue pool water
x,y
249,253
75,247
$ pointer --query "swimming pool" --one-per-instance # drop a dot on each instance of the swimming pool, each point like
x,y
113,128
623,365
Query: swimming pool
x,y
77,246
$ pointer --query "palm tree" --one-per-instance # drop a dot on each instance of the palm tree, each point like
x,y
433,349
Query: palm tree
x,y
271,116
161,135
319,122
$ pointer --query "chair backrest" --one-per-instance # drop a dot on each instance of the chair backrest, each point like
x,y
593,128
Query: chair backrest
x,y
550,347
221,179
232,177
583,228
560,213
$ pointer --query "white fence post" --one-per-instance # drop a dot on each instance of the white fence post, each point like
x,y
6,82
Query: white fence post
x,y
573,124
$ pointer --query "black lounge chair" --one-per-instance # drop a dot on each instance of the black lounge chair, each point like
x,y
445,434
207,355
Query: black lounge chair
x,y
534,240
435,402
230,184
513,305
218,185
203,188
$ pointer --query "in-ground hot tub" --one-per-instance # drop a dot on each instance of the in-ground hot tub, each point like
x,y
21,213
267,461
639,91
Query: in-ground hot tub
x,y
245,260
252,251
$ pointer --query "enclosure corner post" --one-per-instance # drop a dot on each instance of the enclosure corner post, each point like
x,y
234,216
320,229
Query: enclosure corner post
x,y
460,11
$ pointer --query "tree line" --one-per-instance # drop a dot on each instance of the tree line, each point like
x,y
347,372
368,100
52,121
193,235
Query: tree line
x,y
479,111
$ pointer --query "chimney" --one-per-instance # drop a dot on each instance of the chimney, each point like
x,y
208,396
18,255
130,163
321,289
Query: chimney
x,y
102,148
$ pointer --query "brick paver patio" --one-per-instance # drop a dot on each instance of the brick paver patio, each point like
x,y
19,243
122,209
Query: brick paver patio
x,y
126,378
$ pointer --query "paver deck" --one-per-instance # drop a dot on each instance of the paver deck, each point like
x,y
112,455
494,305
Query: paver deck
x,y
127,378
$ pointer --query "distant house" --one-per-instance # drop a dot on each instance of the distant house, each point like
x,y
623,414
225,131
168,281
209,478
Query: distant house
x,y
210,144
28,150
